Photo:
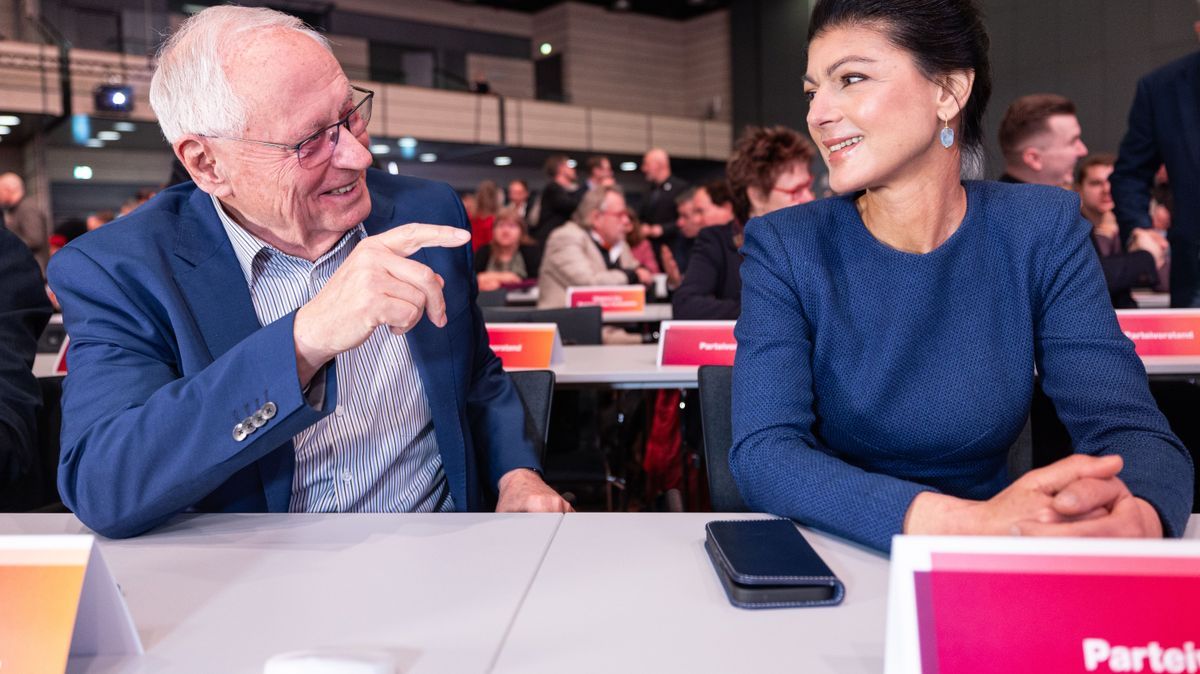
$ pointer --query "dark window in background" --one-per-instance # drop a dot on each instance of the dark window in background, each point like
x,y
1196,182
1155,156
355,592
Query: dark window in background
x,y
548,78
417,66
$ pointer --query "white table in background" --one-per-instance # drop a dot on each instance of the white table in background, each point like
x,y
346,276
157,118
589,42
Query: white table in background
x,y
223,593
655,312
620,367
1152,300
635,592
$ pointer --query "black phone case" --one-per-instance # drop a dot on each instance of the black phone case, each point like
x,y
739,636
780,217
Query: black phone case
x,y
769,564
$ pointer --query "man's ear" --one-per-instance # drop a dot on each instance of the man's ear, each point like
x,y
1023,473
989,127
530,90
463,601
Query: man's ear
x,y
197,157
1032,157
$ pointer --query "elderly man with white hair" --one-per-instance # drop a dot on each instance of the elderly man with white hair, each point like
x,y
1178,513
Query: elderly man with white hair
x,y
286,332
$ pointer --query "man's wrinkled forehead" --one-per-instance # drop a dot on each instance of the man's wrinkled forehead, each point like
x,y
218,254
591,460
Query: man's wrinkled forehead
x,y
276,73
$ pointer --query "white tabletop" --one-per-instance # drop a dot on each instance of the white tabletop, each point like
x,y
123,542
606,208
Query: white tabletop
x,y
1151,300
222,593
655,312
620,367
636,592
602,592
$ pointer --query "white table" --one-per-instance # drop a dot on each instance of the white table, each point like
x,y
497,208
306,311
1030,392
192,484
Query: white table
x,y
636,592
222,593
1147,299
620,367
594,592
655,312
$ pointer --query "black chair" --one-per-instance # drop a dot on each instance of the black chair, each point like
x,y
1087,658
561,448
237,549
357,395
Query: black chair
x,y
578,325
716,384
536,389
492,298
38,490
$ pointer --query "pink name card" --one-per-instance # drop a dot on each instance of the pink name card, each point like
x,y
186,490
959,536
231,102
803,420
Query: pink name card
x,y
696,343
973,605
1162,332
614,299
525,345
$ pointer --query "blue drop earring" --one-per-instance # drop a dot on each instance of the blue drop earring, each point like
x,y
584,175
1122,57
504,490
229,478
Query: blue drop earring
x,y
947,135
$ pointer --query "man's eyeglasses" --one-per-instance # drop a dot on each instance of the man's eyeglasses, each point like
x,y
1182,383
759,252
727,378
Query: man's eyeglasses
x,y
318,148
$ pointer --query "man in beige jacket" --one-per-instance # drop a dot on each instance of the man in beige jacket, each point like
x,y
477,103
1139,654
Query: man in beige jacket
x,y
590,250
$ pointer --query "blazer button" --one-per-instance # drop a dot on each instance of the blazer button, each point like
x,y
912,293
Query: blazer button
x,y
257,420
268,411
239,433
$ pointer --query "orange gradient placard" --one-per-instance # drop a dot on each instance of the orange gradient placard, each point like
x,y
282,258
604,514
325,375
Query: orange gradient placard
x,y
525,345
40,586
1162,332
610,299
697,343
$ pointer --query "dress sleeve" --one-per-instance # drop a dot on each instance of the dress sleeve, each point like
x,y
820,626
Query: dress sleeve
x,y
777,462
1097,382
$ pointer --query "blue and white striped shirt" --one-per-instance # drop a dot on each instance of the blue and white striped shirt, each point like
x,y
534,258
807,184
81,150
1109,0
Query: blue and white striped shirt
x,y
377,452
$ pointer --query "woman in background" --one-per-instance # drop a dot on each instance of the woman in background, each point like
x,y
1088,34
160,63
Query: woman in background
x,y
768,170
487,204
510,257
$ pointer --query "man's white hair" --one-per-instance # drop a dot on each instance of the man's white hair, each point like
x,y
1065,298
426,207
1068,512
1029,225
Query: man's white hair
x,y
190,92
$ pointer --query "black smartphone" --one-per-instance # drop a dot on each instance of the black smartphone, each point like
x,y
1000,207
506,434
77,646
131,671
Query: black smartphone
x,y
769,564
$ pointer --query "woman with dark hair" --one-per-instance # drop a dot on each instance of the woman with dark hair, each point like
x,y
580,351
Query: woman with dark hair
x,y
768,170
510,257
888,337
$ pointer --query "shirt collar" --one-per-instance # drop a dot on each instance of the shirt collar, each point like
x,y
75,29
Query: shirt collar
x,y
248,247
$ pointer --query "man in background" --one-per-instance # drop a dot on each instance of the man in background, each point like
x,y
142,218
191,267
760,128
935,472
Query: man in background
x,y
658,211
559,199
22,217
1162,130
1041,141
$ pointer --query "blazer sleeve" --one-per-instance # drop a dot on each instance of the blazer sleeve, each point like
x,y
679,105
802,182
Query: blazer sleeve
x,y
1097,382
777,462
24,311
1137,161
697,298
141,440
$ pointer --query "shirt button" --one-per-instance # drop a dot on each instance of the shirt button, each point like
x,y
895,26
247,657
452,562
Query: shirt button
x,y
339,411
347,477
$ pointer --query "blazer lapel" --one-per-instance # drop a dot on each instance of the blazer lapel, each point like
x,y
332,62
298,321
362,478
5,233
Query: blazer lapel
x,y
216,291
430,349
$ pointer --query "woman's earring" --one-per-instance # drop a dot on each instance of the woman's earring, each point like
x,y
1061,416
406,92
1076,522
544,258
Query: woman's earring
x,y
947,135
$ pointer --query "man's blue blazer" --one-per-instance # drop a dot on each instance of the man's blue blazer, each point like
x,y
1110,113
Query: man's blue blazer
x,y
167,355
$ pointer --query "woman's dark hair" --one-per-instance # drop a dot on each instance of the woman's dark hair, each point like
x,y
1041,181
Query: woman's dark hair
x,y
942,35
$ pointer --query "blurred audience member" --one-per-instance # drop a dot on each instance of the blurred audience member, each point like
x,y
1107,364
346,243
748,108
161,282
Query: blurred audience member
x,y
1147,259
99,219
24,311
768,170
1161,132
1041,140
560,198
659,210
510,257
639,245
468,202
599,172
487,204
518,198
67,232
22,217
590,250
1162,203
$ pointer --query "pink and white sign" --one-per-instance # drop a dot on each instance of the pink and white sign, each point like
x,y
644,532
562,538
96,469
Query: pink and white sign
x,y
696,343
526,345
1162,332
977,605
610,299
